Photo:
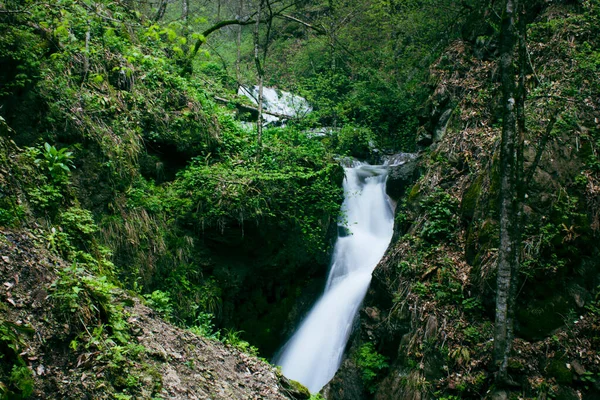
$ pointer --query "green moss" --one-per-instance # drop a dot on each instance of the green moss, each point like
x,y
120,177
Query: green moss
x,y
557,368
414,194
471,197
300,388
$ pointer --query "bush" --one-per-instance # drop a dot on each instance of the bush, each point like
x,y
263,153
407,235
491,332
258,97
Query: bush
x,y
160,302
442,221
372,365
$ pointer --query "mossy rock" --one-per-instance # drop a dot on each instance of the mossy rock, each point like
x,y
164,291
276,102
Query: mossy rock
x,y
557,369
414,196
294,389
470,199
481,238
537,317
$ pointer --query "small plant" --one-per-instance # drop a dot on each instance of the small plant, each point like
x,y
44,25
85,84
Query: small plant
x,y
204,326
233,338
472,334
57,163
460,355
10,213
16,379
589,378
78,222
442,219
160,302
372,365
84,300
472,304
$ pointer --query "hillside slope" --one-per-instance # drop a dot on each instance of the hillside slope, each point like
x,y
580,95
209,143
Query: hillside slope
x,y
107,345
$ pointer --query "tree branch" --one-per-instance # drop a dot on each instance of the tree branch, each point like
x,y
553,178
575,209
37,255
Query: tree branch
x,y
306,24
218,26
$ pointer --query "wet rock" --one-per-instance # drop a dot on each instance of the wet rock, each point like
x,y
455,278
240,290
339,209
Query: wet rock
x,y
401,177
346,384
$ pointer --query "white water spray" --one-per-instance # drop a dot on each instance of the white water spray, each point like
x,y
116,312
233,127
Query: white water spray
x,y
314,353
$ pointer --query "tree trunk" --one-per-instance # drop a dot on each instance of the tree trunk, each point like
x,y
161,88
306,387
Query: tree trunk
x,y
185,9
162,8
239,43
508,253
260,73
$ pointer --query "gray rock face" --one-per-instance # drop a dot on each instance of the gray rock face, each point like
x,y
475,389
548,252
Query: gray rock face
x,y
346,385
401,177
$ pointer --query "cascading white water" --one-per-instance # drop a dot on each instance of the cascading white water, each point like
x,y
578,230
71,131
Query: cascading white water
x,y
314,353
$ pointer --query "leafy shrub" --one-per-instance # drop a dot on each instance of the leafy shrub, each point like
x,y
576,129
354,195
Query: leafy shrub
x,y
16,379
354,141
57,163
442,221
204,326
233,338
83,300
10,214
160,302
372,365
21,378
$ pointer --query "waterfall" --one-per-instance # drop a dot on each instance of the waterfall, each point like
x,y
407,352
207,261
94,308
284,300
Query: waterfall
x,y
314,353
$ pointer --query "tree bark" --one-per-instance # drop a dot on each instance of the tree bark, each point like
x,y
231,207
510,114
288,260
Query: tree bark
x,y
162,8
508,253
260,73
239,43
185,9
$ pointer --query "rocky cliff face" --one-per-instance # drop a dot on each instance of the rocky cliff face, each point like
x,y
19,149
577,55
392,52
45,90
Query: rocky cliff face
x,y
430,309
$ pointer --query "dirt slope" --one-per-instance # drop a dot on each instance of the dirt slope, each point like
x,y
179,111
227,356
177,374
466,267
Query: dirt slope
x,y
85,361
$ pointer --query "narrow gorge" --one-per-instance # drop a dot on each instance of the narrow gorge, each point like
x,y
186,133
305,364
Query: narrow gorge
x,y
314,353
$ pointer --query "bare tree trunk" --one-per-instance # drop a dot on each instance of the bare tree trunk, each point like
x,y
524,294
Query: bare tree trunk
x,y
239,43
162,8
185,9
86,58
508,253
260,72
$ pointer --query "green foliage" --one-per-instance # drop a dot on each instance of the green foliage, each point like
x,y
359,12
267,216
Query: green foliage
x,y
21,378
83,300
78,224
594,306
441,221
46,197
556,238
233,338
16,379
160,302
292,186
372,365
10,214
204,326
354,141
57,163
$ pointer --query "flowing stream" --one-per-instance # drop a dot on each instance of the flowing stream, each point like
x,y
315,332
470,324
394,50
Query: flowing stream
x,y
314,353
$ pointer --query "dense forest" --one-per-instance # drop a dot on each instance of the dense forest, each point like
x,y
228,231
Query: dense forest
x,y
164,229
